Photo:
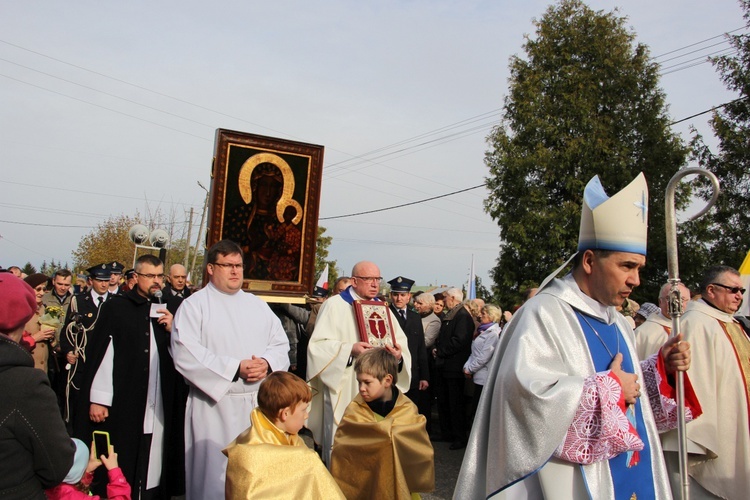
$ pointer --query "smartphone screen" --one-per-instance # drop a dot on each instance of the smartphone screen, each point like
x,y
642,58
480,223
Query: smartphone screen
x,y
101,443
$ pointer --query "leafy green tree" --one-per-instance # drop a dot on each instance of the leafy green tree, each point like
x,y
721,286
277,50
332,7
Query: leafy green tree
x,y
176,255
107,242
28,269
321,257
584,101
726,227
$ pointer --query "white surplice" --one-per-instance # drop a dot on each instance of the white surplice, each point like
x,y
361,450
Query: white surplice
x,y
212,332
652,334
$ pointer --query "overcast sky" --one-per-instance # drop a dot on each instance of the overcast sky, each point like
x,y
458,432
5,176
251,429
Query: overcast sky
x,y
110,108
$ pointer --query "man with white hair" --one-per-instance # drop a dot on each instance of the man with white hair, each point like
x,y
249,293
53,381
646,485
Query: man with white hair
x,y
335,344
452,350
651,335
424,303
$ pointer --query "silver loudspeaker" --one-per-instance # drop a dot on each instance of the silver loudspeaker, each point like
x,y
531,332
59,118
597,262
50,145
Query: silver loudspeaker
x,y
159,238
138,234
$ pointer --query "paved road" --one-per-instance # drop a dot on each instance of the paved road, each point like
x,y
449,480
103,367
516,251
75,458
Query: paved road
x,y
447,466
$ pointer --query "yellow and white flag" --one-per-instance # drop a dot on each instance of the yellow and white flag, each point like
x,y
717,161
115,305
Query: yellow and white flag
x,y
745,277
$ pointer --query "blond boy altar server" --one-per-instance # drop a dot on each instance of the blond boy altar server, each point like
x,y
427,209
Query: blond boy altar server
x,y
568,411
335,344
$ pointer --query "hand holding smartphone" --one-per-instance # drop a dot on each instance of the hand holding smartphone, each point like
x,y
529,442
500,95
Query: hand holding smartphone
x,y
101,443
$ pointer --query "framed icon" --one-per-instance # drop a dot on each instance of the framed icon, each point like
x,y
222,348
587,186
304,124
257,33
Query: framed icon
x,y
265,196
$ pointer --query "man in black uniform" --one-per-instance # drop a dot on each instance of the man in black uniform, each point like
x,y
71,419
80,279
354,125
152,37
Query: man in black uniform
x,y
81,317
411,324
115,278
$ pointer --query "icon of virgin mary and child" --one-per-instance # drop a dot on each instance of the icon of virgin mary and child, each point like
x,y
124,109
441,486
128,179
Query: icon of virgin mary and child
x,y
266,226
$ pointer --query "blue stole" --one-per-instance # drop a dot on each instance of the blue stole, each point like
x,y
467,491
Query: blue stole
x,y
632,478
349,298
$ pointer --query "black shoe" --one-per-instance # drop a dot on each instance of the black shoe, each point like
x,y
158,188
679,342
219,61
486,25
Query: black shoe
x,y
457,445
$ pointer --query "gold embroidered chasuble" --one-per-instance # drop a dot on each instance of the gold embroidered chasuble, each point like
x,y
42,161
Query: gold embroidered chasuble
x,y
741,345
388,457
265,462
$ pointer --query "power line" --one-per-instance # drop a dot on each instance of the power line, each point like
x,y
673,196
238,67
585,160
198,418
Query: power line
x,y
425,245
698,43
44,225
708,110
103,107
403,205
108,94
107,195
82,68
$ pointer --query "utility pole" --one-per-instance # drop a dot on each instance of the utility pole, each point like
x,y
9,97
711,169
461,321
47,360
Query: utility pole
x,y
187,241
200,229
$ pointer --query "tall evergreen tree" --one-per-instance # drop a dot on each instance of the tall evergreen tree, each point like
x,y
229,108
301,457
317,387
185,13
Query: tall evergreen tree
x,y
730,219
321,257
584,101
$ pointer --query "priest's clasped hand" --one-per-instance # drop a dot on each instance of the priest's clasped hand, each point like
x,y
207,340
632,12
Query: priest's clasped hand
x,y
631,389
676,354
98,413
253,370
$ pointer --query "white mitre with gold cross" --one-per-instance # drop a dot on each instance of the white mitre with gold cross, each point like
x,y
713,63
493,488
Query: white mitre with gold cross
x,y
619,223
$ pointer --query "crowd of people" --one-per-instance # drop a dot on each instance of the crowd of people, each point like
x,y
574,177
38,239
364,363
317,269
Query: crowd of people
x,y
206,393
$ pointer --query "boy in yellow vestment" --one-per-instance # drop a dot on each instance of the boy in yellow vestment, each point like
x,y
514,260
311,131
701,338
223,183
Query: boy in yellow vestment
x,y
381,448
269,460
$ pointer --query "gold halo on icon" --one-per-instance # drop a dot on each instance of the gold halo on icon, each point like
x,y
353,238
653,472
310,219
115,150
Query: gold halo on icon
x,y
286,200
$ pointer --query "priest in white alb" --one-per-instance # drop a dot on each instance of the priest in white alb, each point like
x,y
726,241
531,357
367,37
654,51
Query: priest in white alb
x,y
224,342
335,344
651,335
569,411
719,441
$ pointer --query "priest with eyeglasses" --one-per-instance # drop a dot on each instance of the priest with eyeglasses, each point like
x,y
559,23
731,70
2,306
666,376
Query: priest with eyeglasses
x,y
335,344
719,441
224,342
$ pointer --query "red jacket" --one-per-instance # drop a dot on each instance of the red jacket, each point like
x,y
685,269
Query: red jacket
x,y
117,489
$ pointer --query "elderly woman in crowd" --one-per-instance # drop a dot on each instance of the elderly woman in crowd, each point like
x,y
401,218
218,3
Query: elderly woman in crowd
x,y
482,347
42,335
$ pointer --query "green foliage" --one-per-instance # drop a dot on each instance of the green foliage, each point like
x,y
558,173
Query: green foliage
x,y
28,269
584,102
107,242
321,257
52,267
725,229
176,255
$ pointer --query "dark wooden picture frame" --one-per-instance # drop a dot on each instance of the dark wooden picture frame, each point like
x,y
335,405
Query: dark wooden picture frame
x,y
265,196
374,323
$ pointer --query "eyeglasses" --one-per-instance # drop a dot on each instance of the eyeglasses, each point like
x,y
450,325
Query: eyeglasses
x,y
151,276
370,279
228,266
732,289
